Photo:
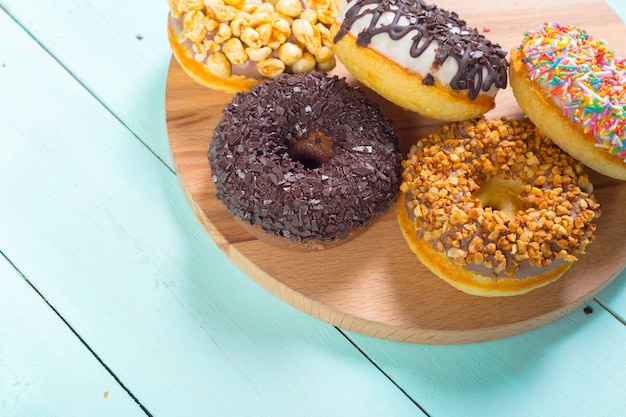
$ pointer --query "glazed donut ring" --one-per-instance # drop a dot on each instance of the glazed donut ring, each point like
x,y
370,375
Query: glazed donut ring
x,y
494,208
573,88
420,57
305,161
230,45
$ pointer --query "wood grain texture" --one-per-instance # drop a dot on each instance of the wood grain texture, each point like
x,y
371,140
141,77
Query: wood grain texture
x,y
374,285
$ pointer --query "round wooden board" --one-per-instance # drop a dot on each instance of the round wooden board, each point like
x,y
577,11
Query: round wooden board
x,y
374,284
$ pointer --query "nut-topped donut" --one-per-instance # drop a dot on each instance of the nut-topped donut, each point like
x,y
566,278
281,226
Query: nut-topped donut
x,y
230,45
573,87
420,57
305,161
495,208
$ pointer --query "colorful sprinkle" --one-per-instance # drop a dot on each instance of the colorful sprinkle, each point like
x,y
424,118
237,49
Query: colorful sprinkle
x,y
584,77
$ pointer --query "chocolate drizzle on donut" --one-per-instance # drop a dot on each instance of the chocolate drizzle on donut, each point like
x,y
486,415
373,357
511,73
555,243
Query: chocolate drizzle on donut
x,y
305,157
481,63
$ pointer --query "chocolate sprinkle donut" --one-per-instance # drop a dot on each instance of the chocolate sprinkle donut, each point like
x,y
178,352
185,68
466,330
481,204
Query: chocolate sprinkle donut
x,y
305,157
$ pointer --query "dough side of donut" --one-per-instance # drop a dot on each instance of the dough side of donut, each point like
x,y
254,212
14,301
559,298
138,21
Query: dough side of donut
x,y
470,282
405,88
549,118
200,73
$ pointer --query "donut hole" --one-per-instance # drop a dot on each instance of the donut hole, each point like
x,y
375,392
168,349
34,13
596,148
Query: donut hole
x,y
312,151
501,194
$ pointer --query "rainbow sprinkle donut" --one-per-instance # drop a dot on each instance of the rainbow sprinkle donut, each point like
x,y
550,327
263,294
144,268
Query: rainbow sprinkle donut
x,y
572,86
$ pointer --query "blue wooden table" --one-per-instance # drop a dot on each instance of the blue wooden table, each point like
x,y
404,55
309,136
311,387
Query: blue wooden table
x,y
114,301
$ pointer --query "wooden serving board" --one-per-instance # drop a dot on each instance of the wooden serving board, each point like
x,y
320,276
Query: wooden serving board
x,y
374,284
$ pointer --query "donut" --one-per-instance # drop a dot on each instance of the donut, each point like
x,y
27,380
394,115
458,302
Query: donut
x,y
305,161
230,45
572,87
420,57
494,208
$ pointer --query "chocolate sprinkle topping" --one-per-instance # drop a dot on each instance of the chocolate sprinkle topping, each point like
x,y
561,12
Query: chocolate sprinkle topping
x,y
305,157
425,24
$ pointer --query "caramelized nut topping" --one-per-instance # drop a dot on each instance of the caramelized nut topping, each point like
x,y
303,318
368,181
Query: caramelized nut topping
x,y
546,219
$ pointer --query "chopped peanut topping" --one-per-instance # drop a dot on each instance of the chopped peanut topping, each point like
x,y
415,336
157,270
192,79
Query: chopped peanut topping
x,y
498,194
243,30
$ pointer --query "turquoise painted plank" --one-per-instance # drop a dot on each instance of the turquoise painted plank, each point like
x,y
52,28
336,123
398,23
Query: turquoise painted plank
x,y
118,49
573,367
102,230
44,368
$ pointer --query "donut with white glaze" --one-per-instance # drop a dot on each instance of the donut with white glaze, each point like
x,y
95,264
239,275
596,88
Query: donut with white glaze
x,y
420,57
